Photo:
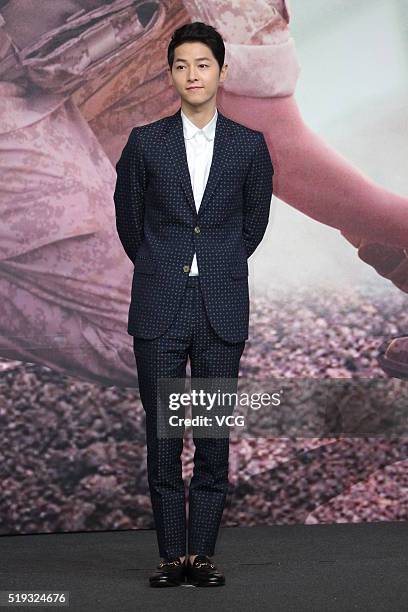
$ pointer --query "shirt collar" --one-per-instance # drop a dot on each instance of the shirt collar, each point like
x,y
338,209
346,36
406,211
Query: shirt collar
x,y
190,130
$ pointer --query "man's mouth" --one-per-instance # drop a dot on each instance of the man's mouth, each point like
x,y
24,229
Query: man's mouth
x,y
195,87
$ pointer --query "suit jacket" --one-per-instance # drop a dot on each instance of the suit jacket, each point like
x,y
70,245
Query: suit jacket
x,y
160,229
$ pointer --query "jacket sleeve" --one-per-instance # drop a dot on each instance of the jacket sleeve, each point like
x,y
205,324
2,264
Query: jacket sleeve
x,y
258,189
129,195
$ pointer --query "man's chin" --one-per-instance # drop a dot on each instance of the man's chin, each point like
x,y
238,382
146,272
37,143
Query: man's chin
x,y
195,101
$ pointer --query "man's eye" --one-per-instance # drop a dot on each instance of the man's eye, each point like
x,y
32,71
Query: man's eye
x,y
206,65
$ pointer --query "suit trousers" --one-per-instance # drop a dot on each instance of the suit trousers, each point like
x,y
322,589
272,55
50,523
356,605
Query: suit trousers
x,y
189,336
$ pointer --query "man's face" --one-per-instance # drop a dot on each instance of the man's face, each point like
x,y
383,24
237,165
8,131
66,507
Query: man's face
x,y
195,73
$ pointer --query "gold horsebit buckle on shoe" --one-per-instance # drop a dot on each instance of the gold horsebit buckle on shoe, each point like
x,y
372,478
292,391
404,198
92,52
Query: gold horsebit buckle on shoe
x,y
200,563
165,563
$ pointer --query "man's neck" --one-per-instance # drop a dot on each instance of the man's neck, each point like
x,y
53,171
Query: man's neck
x,y
200,117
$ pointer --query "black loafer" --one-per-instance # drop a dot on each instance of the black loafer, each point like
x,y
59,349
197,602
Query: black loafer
x,y
170,573
203,572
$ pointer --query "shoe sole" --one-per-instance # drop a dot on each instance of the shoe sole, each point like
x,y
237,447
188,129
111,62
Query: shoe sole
x,y
197,583
164,584
207,584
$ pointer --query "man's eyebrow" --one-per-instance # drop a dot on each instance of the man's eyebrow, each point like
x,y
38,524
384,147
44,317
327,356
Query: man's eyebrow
x,y
197,59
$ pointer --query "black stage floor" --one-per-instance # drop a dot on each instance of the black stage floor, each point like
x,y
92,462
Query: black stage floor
x,y
297,568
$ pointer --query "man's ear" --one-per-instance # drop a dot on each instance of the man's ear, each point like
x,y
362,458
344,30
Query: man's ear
x,y
223,73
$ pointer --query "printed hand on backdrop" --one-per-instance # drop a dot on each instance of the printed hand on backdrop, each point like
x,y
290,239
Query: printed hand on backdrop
x,y
390,262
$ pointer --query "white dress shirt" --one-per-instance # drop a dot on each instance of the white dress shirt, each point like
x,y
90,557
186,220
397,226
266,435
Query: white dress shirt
x,y
199,148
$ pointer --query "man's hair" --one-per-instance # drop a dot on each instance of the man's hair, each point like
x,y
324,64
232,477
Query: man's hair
x,y
197,32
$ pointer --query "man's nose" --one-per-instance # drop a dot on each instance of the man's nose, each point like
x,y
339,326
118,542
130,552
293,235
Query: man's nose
x,y
191,73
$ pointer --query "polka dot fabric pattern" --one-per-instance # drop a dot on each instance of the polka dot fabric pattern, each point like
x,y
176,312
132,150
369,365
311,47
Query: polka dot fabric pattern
x,y
189,337
160,228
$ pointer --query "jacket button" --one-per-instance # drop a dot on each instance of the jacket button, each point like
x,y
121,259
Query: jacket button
x,y
186,268
197,229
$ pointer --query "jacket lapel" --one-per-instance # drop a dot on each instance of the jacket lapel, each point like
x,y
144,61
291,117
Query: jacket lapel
x,y
174,140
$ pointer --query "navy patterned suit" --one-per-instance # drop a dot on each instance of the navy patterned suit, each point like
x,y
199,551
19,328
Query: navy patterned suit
x,y
174,316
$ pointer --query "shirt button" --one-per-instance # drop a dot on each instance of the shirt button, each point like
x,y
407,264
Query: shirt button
x,y
197,229
186,268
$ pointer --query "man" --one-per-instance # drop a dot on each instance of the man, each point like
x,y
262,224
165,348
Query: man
x,y
192,202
